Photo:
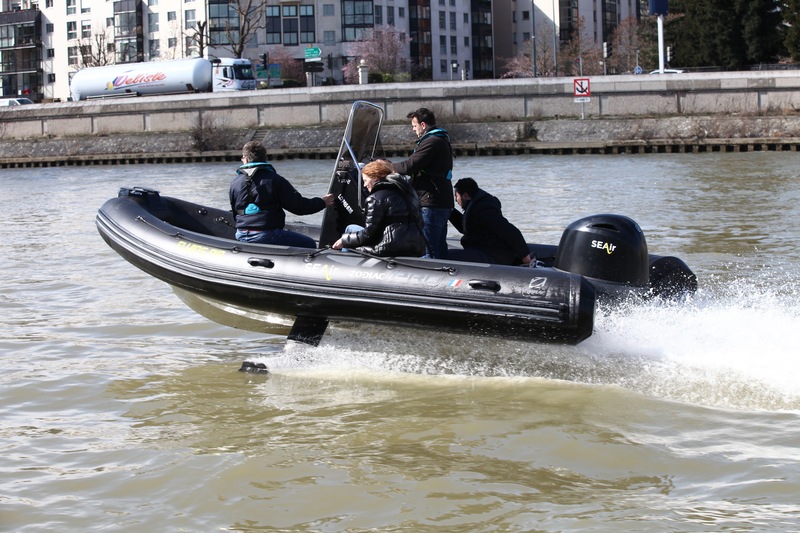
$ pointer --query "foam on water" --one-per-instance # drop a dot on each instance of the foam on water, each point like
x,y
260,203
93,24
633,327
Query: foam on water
x,y
732,345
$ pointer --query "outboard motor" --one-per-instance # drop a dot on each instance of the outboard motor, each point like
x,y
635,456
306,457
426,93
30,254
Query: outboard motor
x,y
605,247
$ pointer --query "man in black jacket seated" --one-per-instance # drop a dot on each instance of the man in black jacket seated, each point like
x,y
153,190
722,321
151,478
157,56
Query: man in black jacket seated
x,y
488,236
259,196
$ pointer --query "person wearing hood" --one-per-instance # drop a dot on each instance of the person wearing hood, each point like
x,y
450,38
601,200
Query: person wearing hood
x,y
488,237
393,220
259,195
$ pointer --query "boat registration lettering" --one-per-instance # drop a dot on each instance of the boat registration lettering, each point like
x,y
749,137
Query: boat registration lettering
x,y
194,248
607,246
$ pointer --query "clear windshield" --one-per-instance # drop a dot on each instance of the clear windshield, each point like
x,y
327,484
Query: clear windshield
x,y
243,72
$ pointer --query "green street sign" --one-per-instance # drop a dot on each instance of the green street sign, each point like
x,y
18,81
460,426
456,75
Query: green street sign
x,y
313,52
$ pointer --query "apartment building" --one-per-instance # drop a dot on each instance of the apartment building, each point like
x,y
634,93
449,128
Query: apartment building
x,y
43,42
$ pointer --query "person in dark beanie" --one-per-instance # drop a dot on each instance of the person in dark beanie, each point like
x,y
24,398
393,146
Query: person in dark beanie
x,y
258,197
430,169
488,237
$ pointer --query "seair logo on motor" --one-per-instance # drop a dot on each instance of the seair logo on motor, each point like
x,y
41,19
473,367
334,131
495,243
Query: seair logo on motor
x,y
607,246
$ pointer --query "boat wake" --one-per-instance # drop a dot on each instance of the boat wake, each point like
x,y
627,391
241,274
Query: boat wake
x,y
729,346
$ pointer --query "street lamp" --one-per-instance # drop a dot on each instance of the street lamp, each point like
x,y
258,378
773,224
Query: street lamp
x,y
555,45
533,36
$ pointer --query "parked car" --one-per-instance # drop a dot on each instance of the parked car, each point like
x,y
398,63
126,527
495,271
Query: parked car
x,y
6,102
668,71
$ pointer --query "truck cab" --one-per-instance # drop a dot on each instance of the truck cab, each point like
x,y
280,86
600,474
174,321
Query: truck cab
x,y
232,74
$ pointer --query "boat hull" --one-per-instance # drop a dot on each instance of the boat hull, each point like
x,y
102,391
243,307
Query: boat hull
x,y
191,247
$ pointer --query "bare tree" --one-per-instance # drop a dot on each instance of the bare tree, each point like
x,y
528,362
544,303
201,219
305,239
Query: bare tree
x,y
97,50
200,37
245,19
385,51
580,56
521,66
625,47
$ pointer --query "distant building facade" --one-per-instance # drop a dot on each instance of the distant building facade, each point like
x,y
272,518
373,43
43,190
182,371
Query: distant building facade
x,y
42,42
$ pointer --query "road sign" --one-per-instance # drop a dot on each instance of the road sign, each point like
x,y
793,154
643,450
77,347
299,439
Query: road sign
x,y
582,99
313,65
313,52
580,87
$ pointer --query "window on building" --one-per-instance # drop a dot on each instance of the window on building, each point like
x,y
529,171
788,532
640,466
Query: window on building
x,y
307,25
86,29
453,21
110,22
72,30
273,23
223,22
86,6
290,25
71,7
330,38
48,3
172,42
390,15
443,45
357,16
191,47
466,19
378,15
443,66
51,78
442,20
152,3
453,45
328,10
172,16
152,22
49,27
401,12
72,55
51,53
189,19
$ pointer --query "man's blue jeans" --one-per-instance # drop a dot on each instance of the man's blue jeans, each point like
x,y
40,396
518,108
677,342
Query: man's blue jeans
x,y
435,231
282,237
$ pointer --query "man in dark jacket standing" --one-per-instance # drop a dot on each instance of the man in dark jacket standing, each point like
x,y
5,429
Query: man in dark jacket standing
x,y
259,196
488,236
430,168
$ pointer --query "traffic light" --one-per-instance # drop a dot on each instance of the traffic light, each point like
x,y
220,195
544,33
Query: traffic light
x,y
606,50
313,65
265,61
669,54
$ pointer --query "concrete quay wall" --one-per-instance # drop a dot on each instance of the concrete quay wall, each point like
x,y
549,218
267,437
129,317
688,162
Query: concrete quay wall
x,y
773,92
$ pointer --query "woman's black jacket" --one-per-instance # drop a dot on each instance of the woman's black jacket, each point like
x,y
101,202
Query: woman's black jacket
x,y
393,221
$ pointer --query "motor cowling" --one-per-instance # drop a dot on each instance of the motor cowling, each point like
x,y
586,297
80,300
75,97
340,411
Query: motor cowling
x,y
605,247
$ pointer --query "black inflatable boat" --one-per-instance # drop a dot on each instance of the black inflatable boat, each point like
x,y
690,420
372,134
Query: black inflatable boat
x,y
253,286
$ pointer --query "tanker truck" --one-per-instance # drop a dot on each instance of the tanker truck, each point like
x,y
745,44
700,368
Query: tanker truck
x,y
163,77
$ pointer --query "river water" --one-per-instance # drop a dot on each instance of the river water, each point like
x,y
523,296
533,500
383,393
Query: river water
x,y
122,410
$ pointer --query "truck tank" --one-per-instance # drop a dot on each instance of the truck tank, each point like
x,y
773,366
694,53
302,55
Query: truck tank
x,y
160,77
